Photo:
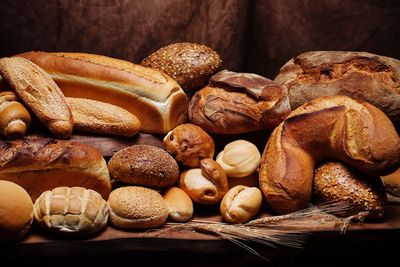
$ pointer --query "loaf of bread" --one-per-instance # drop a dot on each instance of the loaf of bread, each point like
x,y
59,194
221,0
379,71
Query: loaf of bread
x,y
14,117
156,99
392,183
39,93
180,206
16,211
236,103
102,118
360,75
71,210
43,164
335,127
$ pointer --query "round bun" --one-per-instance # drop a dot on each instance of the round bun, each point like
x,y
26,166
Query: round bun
x,y
190,64
189,144
392,183
144,165
137,208
16,211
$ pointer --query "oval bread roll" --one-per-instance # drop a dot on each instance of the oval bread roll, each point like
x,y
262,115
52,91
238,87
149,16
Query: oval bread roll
x,y
179,204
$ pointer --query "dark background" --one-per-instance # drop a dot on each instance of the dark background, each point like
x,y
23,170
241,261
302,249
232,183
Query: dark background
x,y
255,36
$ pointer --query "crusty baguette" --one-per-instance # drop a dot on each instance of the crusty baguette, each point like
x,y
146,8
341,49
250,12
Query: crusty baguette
x,y
334,127
39,93
155,98
103,118
43,164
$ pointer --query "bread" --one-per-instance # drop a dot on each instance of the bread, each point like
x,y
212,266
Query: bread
x,y
39,93
156,99
71,210
144,165
190,64
205,185
189,144
239,158
102,118
180,206
359,75
336,127
16,211
43,164
240,204
392,183
236,103
334,182
137,207
14,118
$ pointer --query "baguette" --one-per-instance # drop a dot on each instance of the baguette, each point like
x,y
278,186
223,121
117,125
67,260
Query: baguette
x,y
155,98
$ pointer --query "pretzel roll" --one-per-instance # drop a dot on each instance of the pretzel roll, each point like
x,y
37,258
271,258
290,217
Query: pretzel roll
x,y
334,127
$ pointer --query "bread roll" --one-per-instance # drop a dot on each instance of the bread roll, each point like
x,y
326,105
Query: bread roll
x,y
189,144
39,93
156,99
190,64
205,185
240,204
14,118
144,165
137,207
180,205
16,211
43,164
239,158
102,118
335,127
236,103
71,210
359,75
334,182
392,183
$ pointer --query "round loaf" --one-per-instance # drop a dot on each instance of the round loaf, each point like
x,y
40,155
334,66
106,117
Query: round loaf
x,y
334,182
16,211
71,210
144,165
189,144
137,208
179,204
190,64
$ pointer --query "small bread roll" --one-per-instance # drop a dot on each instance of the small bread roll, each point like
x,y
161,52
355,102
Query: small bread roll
x,y
180,205
240,204
206,185
189,144
144,165
239,158
16,211
71,210
137,207
392,183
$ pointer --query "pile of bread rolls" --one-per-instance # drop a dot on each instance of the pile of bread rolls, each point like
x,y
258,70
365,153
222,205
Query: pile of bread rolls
x,y
332,138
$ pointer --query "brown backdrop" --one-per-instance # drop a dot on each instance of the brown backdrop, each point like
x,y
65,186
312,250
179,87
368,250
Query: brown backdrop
x,y
258,36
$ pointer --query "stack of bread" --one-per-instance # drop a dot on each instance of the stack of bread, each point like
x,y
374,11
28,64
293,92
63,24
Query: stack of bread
x,y
329,112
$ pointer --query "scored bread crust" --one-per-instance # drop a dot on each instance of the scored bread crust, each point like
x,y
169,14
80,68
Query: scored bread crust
x,y
155,98
335,127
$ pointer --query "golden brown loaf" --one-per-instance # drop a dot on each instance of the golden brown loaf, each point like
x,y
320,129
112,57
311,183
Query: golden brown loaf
x,y
16,211
144,165
335,127
137,208
236,103
190,64
360,75
189,144
43,164
39,93
334,182
71,210
102,118
180,205
156,99
205,185
14,118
